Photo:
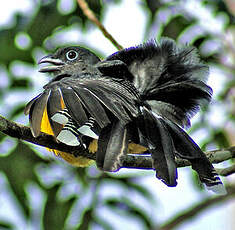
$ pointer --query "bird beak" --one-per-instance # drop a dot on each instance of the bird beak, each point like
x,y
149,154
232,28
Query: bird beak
x,y
56,63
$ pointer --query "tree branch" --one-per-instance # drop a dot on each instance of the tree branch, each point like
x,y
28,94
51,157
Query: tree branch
x,y
196,209
91,16
21,132
226,171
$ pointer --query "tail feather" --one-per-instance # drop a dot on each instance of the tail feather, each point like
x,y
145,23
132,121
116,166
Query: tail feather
x,y
61,117
161,148
166,141
112,145
90,129
71,132
208,176
186,148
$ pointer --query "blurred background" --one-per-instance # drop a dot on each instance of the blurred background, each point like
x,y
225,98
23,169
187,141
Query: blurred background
x,y
40,191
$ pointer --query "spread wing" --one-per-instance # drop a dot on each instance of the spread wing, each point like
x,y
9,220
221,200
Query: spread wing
x,y
76,108
101,98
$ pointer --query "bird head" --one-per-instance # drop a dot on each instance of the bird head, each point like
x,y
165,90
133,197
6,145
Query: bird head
x,y
67,60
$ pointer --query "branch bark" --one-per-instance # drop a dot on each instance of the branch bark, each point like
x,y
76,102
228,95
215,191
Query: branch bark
x,y
226,171
91,16
22,132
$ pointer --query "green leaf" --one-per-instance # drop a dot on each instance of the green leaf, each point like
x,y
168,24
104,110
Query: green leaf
x,y
20,83
175,27
86,220
5,225
221,139
56,211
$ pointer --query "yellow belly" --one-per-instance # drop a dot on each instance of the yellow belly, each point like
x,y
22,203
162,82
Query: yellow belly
x,y
81,161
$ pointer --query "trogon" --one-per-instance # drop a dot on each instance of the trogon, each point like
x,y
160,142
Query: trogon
x,y
137,100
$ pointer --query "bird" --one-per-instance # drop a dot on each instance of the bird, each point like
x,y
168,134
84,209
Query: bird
x,y
138,100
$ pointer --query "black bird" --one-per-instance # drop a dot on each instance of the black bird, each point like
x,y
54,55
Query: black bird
x,y
137,100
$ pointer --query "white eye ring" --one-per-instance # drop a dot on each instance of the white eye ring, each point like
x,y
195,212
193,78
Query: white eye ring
x,y
72,55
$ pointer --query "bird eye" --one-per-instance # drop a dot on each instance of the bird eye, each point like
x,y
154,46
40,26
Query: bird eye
x,y
71,55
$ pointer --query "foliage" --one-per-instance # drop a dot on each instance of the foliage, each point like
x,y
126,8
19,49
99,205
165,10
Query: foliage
x,y
53,195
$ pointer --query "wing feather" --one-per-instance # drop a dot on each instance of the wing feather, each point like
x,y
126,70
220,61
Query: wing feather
x,y
36,113
29,104
53,106
117,97
113,104
93,106
74,106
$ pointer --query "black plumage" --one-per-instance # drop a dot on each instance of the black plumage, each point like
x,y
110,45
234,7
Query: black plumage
x,y
143,95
